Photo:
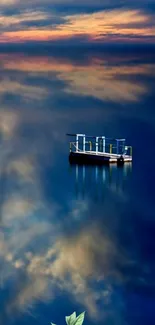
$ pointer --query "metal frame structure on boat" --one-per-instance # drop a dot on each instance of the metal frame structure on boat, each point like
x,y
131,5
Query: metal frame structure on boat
x,y
99,150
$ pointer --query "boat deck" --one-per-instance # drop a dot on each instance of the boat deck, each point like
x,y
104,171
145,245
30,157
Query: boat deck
x,y
98,157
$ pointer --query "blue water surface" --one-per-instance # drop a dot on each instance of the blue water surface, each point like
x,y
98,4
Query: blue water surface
x,y
76,238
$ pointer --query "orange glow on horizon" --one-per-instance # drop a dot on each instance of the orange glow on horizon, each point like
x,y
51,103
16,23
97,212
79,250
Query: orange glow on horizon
x,y
105,25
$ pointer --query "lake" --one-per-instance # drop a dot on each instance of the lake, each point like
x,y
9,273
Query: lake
x,y
76,238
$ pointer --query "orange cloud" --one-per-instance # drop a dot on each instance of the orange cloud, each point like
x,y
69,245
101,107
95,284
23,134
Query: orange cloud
x,y
97,26
7,2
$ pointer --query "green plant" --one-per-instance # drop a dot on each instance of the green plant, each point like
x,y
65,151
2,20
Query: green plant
x,y
73,320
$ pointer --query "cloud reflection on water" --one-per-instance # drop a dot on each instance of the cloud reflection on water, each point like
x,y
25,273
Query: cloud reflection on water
x,y
98,79
36,249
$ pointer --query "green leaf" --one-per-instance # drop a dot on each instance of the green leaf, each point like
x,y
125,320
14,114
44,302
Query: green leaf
x,y
70,320
79,320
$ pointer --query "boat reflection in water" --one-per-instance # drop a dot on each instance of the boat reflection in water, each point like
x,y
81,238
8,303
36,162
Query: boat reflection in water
x,y
95,181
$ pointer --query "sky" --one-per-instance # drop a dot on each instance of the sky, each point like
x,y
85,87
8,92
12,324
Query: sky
x,y
74,22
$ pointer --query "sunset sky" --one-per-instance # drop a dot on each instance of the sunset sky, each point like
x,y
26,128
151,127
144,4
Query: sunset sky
x,y
83,21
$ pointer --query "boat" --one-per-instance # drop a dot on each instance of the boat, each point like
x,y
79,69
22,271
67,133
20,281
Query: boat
x,y
98,150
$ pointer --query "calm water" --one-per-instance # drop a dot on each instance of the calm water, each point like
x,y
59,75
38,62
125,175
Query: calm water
x,y
76,238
